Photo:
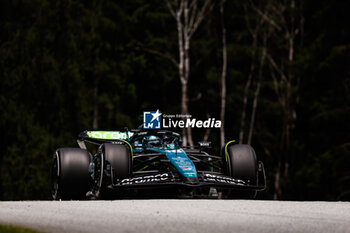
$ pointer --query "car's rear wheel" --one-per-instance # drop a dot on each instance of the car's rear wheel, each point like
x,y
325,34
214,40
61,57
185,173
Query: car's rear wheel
x,y
70,174
113,163
241,164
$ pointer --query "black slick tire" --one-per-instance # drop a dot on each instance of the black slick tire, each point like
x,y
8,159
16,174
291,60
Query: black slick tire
x,y
70,174
114,164
242,164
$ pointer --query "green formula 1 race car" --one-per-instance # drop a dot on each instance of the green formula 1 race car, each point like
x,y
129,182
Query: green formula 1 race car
x,y
137,162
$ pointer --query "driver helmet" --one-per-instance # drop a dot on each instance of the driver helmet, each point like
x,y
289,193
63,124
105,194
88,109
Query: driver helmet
x,y
152,141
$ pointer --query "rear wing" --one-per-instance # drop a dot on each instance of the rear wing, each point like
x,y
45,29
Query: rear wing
x,y
99,137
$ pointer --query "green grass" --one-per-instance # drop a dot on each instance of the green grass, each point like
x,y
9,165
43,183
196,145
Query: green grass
x,y
14,229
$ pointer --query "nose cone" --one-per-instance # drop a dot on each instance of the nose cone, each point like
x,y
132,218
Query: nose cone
x,y
191,180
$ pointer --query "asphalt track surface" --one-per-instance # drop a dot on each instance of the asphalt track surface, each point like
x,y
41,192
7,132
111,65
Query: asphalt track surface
x,y
178,216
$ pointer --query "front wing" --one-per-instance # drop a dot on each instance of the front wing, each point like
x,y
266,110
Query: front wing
x,y
205,179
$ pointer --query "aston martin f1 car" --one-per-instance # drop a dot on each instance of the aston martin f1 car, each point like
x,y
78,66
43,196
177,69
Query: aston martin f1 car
x,y
153,161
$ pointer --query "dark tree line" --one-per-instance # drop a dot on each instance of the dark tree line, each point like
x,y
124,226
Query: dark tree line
x,y
276,71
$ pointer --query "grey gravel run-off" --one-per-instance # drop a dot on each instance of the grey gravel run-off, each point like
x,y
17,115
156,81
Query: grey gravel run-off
x,y
180,216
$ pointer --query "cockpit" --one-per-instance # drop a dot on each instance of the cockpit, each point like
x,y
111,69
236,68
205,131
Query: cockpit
x,y
155,141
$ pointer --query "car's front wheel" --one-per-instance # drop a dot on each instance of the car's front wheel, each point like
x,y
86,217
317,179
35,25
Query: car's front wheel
x,y
113,163
241,164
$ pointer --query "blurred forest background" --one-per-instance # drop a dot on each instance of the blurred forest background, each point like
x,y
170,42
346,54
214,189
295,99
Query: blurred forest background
x,y
281,68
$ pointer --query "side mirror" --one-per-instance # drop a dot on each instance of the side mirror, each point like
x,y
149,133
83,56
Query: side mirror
x,y
204,144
